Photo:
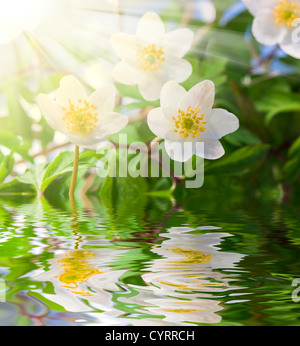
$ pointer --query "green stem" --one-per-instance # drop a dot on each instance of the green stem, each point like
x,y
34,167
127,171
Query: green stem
x,y
75,172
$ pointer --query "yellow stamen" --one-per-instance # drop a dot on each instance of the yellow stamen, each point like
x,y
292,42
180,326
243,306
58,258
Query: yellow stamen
x,y
77,270
81,118
151,58
189,123
286,12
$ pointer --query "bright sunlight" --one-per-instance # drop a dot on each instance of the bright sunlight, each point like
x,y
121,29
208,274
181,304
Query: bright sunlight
x,y
17,16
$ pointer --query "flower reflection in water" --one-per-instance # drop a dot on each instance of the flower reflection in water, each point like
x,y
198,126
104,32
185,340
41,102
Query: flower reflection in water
x,y
185,280
77,270
80,277
179,287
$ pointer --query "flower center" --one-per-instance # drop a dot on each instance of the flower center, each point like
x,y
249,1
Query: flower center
x,y
189,123
150,58
81,118
76,270
286,12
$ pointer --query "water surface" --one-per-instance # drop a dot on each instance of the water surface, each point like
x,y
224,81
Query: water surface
x,y
155,262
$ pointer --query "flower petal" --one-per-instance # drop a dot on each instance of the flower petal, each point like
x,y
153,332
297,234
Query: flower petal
x,y
104,99
150,87
126,74
150,27
109,124
221,122
291,44
211,149
125,47
265,30
176,69
152,83
83,140
70,89
51,112
179,151
205,11
254,6
158,123
171,94
178,42
201,96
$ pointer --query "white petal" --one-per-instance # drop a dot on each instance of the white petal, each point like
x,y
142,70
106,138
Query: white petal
x,y
70,89
126,74
178,42
201,96
158,123
173,136
221,122
125,47
265,30
206,11
291,43
212,149
82,140
109,124
171,95
255,6
176,69
104,99
51,112
150,87
179,151
150,27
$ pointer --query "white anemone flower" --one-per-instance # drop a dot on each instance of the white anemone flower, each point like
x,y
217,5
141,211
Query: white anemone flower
x,y
86,121
152,57
185,120
275,23
205,11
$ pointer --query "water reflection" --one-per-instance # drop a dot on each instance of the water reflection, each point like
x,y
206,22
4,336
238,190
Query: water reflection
x,y
159,264
186,273
82,280
176,288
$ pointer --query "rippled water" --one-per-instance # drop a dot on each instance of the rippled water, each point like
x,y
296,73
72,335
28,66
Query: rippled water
x,y
153,263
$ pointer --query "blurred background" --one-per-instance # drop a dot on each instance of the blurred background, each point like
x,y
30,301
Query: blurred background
x,y
132,251
43,40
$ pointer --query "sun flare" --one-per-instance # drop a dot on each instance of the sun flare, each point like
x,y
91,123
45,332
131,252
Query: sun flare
x,y
17,16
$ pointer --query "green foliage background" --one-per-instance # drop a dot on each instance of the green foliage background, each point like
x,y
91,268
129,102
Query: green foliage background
x,y
262,158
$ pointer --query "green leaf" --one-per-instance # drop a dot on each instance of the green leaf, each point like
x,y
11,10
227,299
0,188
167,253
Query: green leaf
x,y
16,187
50,83
46,134
21,123
239,161
274,102
61,165
212,69
34,176
41,176
248,115
129,91
10,141
242,137
292,167
6,166
295,148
